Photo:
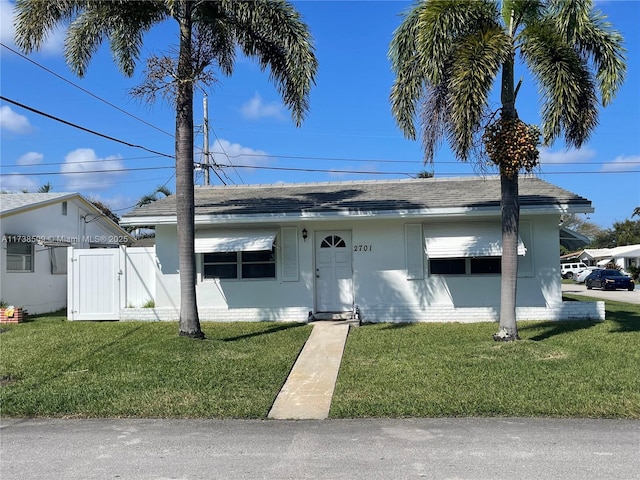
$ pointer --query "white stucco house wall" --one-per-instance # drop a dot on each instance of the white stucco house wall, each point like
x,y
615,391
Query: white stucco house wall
x,y
389,251
36,231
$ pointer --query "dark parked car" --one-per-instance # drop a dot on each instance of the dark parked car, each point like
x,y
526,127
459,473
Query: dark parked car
x,y
609,280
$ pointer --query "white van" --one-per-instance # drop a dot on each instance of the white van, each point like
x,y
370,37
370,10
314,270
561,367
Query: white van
x,y
570,270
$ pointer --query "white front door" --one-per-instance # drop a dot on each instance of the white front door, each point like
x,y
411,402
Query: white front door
x,y
334,275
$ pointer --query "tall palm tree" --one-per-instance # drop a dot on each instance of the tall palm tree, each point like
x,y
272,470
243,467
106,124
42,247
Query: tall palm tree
x,y
447,55
209,31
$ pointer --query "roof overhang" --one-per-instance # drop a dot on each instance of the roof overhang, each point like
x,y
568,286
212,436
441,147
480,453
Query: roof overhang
x,y
285,217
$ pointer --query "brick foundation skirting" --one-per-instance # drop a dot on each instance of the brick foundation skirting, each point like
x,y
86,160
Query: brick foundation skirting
x,y
378,313
447,313
208,314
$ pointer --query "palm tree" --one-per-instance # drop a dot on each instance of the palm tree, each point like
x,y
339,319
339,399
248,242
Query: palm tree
x,y
209,32
152,197
46,188
447,55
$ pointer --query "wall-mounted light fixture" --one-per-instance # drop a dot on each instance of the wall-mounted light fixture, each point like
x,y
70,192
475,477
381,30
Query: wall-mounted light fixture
x,y
305,234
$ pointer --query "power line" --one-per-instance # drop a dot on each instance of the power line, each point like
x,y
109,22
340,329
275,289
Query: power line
x,y
86,91
102,160
93,132
411,162
411,174
115,170
307,170
225,154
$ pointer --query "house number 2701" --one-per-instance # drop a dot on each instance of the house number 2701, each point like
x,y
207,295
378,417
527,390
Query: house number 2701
x,y
362,248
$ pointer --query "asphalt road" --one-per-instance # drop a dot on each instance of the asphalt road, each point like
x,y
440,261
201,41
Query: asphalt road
x,y
331,449
619,295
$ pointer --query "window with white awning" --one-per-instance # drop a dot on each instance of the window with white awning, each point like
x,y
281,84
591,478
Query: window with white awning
x,y
237,254
465,248
461,240
226,241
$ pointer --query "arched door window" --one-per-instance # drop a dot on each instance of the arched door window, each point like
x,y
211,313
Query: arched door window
x,y
333,241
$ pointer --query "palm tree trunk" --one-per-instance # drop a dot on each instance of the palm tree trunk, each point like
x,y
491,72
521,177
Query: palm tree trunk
x,y
189,321
510,216
510,208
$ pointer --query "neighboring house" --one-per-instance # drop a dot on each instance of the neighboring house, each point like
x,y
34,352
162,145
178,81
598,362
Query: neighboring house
x,y
387,251
36,230
622,257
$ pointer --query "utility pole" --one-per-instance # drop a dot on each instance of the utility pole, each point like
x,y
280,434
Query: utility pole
x,y
205,150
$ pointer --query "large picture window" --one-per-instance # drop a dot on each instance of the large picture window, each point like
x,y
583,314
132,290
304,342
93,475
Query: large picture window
x,y
240,265
19,257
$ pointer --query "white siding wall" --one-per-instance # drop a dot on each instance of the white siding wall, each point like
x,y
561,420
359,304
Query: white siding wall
x,y
40,291
384,290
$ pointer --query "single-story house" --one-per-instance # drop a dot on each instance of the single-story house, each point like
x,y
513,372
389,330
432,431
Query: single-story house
x,y
622,257
386,251
36,230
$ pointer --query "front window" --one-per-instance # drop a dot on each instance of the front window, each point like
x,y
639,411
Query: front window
x,y
240,265
19,257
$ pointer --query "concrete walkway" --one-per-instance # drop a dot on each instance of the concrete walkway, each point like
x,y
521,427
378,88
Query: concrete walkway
x,y
307,393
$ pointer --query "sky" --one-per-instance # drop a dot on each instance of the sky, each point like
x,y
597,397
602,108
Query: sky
x,y
349,133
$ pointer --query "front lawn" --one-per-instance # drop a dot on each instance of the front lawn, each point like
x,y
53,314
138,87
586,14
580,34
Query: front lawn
x,y
566,369
51,367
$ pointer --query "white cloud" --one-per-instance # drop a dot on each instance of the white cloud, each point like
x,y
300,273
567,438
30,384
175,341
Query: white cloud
x,y
83,166
571,155
7,30
13,122
622,163
31,158
54,44
256,108
17,183
226,152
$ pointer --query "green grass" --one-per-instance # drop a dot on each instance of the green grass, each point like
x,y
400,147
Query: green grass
x,y
559,369
54,368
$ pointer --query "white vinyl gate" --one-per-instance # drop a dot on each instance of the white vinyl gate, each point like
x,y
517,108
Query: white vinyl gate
x,y
102,281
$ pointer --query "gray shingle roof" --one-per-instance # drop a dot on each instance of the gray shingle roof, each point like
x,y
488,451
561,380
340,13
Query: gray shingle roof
x,y
363,196
10,202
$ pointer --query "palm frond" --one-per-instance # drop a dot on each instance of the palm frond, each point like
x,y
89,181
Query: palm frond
x,y
476,62
36,20
435,118
273,32
123,23
587,30
566,85
406,62
422,54
443,21
604,48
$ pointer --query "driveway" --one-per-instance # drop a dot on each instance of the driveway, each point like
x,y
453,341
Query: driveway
x,y
373,449
619,295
